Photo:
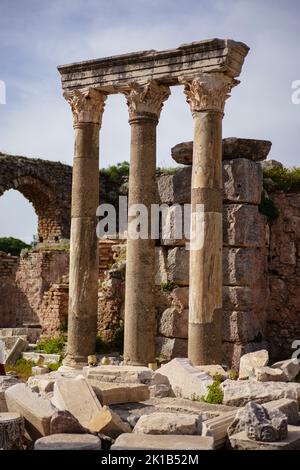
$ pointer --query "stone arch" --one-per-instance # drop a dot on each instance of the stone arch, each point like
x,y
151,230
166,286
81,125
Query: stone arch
x,y
47,185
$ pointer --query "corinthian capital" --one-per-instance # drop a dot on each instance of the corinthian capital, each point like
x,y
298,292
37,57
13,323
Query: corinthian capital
x,y
148,98
87,105
208,91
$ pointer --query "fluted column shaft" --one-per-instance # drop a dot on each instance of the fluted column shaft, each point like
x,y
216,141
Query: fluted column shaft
x,y
87,110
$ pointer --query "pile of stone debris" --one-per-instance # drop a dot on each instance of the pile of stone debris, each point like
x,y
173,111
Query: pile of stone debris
x,y
131,407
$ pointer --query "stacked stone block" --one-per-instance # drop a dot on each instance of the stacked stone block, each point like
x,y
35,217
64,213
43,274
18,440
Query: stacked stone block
x,y
245,277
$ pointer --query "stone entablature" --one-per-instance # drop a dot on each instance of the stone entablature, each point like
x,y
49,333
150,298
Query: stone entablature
x,y
111,74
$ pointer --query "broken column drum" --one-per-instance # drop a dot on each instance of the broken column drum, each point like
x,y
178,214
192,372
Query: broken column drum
x,y
208,70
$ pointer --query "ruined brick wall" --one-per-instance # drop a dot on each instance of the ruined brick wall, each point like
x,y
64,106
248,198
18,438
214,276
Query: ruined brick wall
x,y
53,310
47,185
36,273
283,310
8,290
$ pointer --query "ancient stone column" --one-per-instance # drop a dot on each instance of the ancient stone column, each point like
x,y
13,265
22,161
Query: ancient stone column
x,y
145,104
87,107
206,95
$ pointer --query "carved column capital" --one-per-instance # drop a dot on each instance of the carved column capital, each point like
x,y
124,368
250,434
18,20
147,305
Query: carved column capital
x,y
148,99
208,91
87,105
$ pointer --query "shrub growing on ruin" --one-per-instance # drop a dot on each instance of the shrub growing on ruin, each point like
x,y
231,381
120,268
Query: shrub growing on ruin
x,y
286,179
52,345
168,286
268,208
22,368
215,393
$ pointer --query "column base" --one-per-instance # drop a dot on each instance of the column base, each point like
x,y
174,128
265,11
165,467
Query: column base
x,y
135,363
75,362
205,343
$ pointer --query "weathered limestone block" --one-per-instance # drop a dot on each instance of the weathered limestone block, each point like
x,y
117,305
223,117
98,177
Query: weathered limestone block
x,y
180,297
232,147
217,428
132,412
242,326
183,153
178,266
77,397
290,367
37,411
175,225
240,441
174,323
119,374
46,358
241,298
249,362
243,181
161,274
16,351
68,442
238,393
40,370
271,164
169,348
253,149
186,381
113,393
159,390
288,407
243,266
6,381
11,431
108,423
153,442
176,188
243,226
269,374
213,369
232,352
63,422
260,424
169,423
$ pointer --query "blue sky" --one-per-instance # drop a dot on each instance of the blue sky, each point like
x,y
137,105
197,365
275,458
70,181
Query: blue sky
x,y
37,35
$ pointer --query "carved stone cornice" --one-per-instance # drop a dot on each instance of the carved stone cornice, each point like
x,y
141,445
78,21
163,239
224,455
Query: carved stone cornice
x,y
87,105
208,91
146,99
